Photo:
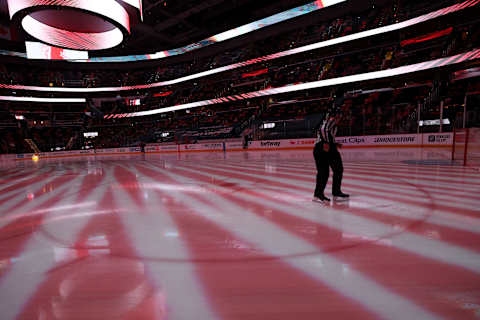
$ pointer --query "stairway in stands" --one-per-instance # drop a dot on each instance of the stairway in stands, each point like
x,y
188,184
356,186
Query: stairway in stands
x,y
33,145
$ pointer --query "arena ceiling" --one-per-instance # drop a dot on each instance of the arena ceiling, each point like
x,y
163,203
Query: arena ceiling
x,y
168,24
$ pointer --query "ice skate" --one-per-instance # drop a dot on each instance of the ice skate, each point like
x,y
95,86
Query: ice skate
x,y
340,196
321,198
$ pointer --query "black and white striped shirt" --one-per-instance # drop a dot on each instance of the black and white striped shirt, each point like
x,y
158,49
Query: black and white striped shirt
x,y
327,131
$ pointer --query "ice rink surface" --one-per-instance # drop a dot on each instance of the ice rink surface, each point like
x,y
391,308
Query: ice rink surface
x,y
236,236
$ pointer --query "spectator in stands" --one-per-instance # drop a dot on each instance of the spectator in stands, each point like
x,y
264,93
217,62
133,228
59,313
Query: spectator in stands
x,y
246,139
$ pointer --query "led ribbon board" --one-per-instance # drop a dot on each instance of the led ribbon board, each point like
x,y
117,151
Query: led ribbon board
x,y
78,25
442,62
47,100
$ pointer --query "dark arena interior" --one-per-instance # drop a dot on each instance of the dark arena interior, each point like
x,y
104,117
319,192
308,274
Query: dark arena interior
x,y
261,160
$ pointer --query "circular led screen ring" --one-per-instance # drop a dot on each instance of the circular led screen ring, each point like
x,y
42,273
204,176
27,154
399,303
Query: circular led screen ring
x,y
109,10
72,40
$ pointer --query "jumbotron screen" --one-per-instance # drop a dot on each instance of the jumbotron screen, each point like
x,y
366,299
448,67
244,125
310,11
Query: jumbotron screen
x,y
38,50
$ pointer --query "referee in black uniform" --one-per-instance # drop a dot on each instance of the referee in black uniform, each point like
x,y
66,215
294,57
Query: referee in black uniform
x,y
326,155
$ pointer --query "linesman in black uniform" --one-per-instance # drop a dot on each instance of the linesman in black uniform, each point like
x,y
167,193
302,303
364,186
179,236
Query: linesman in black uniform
x,y
326,155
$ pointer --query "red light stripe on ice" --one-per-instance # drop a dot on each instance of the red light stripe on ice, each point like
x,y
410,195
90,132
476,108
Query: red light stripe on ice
x,y
215,282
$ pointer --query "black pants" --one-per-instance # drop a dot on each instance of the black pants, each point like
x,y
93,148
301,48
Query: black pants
x,y
323,161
